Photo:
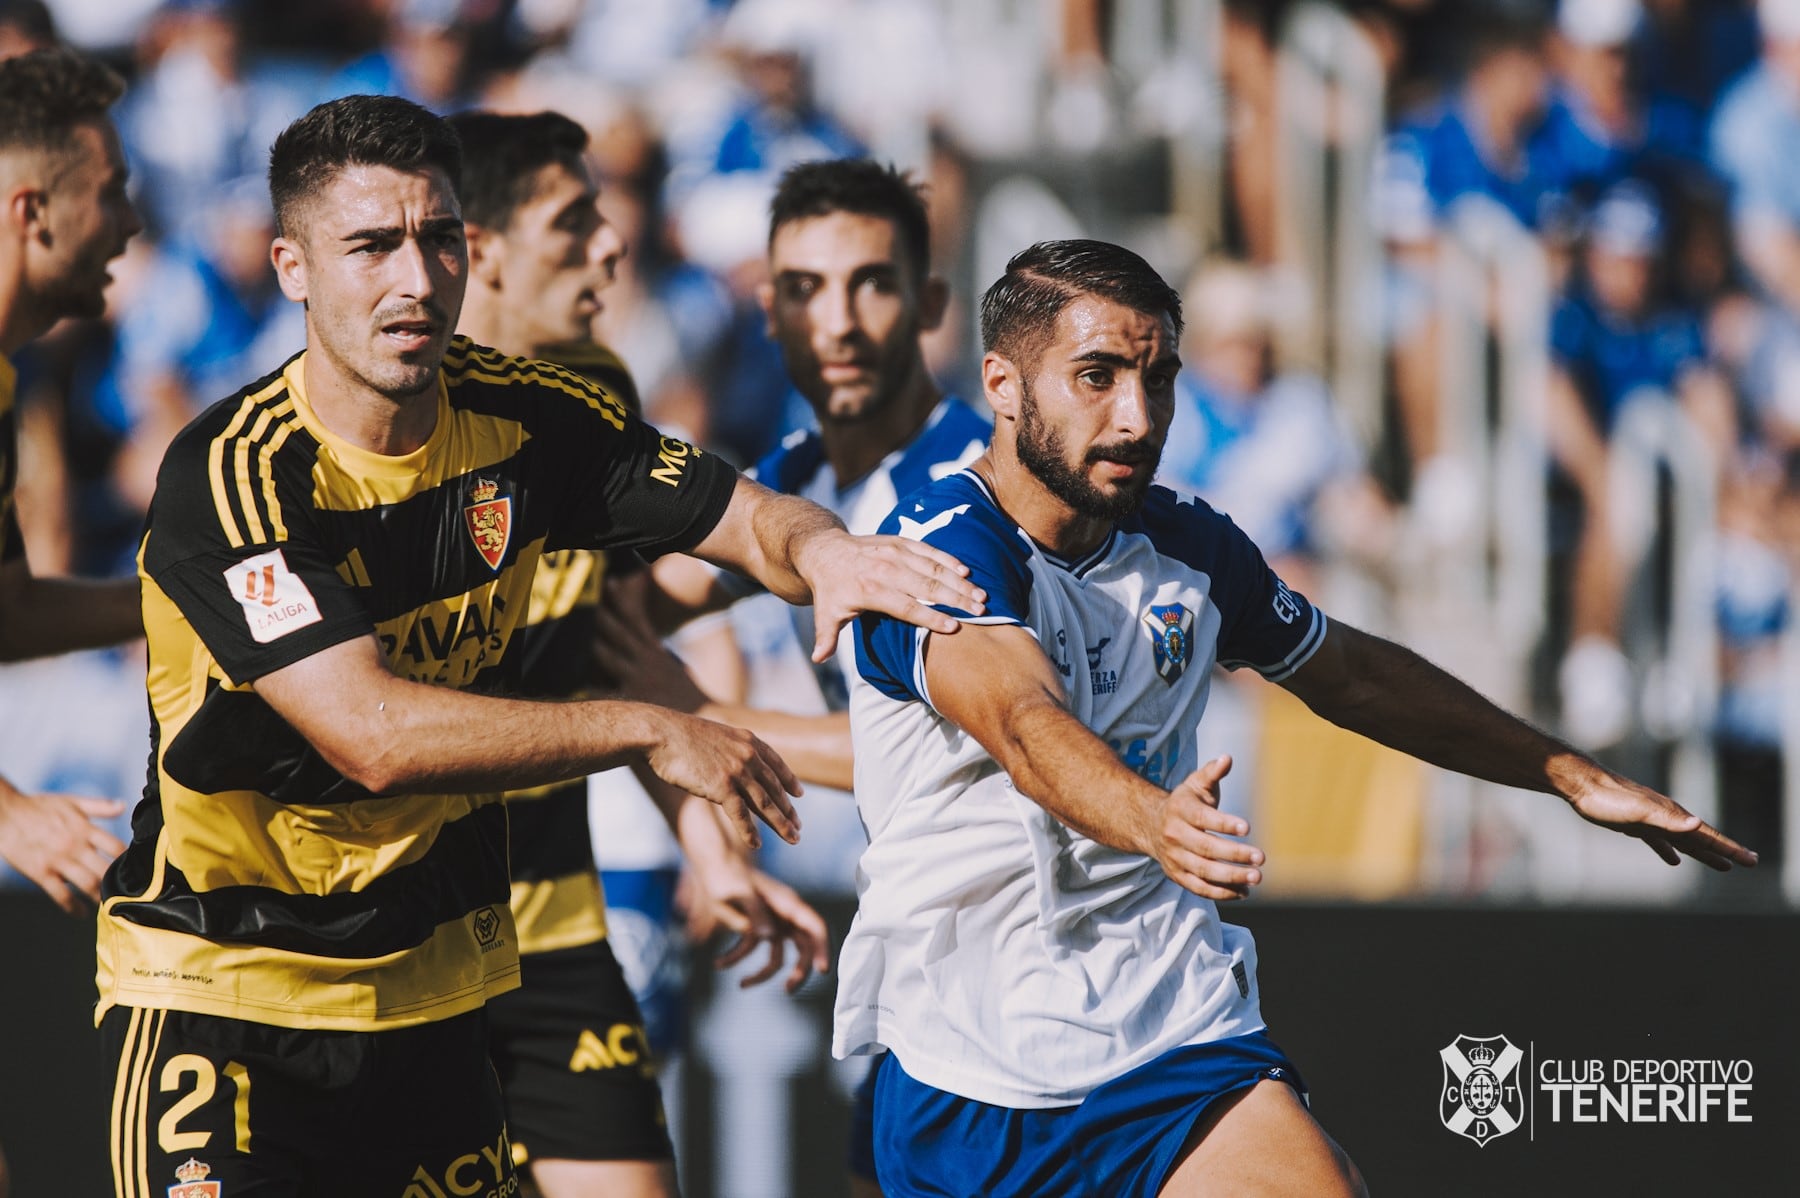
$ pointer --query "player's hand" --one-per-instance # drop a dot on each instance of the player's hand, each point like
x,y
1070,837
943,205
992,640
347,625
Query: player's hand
x,y
758,910
1659,821
1192,841
51,839
727,766
892,575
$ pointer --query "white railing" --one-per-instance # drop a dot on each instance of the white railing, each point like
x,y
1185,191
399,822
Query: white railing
x,y
1330,113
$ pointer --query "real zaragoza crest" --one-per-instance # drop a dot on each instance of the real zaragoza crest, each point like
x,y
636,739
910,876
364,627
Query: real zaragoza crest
x,y
192,1181
489,520
1481,1098
1172,636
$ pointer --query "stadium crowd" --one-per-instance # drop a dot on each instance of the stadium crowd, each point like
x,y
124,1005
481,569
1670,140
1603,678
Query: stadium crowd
x,y
1638,142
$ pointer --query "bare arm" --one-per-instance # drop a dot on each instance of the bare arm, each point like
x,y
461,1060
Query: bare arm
x,y
801,552
43,616
1392,695
635,661
995,683
393,736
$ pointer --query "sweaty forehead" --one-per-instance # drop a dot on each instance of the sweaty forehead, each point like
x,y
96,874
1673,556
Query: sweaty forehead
x,y
836,241
379,197
1094,324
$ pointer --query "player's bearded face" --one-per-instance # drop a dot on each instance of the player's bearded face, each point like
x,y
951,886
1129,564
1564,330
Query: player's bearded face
x,y
386,265
1043,450
89,218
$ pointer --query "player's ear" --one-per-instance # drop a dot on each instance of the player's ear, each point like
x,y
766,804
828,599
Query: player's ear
x,y
934,300
1000,384
24,210
765,295
484,256
289,261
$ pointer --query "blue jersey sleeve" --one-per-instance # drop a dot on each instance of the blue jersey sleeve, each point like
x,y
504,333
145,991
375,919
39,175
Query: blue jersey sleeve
x,y
954,516
1264,624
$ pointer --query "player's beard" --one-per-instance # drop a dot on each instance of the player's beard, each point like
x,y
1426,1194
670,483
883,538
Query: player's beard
x,y
1041,451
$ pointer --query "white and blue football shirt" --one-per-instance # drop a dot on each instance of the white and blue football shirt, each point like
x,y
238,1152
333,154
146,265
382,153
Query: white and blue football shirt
x,y
1001,955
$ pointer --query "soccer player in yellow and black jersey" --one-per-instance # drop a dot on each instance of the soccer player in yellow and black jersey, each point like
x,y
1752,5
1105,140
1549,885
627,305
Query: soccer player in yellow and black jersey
x,y
64,216
295,949
580,1088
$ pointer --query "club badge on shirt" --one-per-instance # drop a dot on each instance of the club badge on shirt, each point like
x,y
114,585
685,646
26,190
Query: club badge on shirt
x,y
488,518
192,1181
1171,628
274,598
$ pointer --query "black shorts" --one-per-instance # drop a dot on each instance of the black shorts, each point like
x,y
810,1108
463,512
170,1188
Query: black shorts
x,y
574,1065
207,1107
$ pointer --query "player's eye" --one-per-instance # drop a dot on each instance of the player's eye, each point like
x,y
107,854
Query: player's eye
x,y
1095,376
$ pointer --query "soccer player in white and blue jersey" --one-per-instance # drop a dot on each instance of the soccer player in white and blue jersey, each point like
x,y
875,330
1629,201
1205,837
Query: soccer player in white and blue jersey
x,y
1038,945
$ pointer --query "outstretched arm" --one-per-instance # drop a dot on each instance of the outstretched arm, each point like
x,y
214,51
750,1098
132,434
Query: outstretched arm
x,y
801,552
995,683
1390,694
44,616
389,735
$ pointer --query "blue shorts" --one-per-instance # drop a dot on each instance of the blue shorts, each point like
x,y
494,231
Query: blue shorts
x,y
1123,1141
862,1124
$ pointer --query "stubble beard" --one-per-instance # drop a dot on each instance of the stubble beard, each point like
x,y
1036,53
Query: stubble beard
x,y
1041,451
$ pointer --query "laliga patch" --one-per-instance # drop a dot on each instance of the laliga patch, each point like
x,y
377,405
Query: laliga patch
x,y
274,599
192,1181
488,517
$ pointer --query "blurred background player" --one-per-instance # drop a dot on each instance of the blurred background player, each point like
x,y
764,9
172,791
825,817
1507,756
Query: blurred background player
x,y
64,216
849,296
587,1120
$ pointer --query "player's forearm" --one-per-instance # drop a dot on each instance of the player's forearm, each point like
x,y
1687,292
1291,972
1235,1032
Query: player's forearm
x,y
44,616
1390,694
1058,763
775,539
816,747
396,737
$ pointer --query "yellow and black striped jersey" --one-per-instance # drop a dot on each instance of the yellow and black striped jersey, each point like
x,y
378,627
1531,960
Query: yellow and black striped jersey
x,y
557,901
260,884
12,545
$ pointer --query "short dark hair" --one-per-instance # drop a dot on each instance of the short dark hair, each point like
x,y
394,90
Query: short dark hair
x,y
861,186
501,153
46,94
1018,313
356,131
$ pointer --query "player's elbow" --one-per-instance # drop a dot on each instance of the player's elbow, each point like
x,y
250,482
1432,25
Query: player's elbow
x,y
376,764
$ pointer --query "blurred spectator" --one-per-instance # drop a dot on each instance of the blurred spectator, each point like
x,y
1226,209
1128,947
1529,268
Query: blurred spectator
x,y
1753,132
1476,147
1692,49
423,56
778,124
200,114
1602,126
1612,337
1268,448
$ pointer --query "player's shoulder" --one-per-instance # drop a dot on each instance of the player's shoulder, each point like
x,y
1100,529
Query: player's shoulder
x,y
260,413
958,514
1182,525
793,463
597,363
955,435
481,378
